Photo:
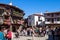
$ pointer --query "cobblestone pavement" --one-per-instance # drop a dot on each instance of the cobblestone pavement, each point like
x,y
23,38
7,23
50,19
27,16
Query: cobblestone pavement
x,y
30,38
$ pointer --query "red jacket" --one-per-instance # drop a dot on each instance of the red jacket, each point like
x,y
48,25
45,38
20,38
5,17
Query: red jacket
x,y
9,35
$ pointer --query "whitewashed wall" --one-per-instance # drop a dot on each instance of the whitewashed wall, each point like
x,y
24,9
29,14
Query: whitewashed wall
x,y
34,19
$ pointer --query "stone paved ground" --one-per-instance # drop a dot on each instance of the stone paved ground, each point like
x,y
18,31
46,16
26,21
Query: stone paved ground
x,y
26,38
31,38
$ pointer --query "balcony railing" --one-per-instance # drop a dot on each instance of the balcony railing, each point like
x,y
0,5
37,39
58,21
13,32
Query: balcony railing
x,y
7,21
6,14
54,16
47,22
58,22
55,22
17,14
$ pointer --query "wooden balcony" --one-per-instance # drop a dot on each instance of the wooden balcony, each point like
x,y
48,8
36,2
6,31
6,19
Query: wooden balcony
x,y
8,23
52,16
6,14
17,14
17,22
6,20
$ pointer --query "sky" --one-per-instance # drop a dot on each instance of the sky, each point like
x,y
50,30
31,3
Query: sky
x,y
35,6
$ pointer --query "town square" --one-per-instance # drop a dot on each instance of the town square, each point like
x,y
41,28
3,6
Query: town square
x,y
29,20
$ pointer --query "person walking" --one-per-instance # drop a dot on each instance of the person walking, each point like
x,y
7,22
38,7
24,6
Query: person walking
x,y
1,34
5,32
9,34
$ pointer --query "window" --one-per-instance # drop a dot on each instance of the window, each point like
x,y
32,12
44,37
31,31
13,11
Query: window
x,y
48,14
57,14
48,20
39,18
58,19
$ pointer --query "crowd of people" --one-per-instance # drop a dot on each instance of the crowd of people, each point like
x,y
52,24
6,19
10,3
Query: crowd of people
x,y
53,33
5,34
31,31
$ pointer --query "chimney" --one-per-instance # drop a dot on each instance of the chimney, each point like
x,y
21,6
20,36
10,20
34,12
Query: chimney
x,y
10,2
41,13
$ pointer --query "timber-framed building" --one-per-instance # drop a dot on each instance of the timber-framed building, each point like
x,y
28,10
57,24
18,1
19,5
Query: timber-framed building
x,y
11,16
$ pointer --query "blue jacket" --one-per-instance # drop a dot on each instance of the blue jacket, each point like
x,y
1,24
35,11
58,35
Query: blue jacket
x,y
2,36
